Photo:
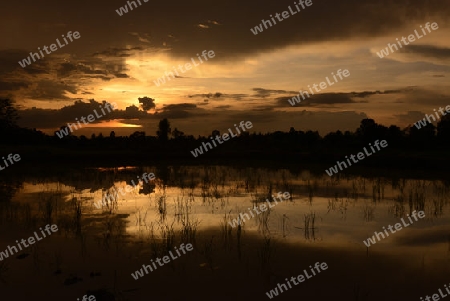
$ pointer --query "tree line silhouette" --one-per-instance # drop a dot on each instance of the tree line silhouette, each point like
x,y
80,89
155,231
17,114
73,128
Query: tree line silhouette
x,y
428,139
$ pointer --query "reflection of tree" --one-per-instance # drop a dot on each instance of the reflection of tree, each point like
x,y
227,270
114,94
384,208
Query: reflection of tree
x,y
8,189
163,173
147,188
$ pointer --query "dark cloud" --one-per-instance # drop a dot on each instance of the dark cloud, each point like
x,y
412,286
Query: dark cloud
x,y
104,78
177,111
345,20
9,60
410,117
331,98
317,99
147,103
219,96
224,27
66,69
51,118
49,90
188,116
92,68
9,86
260,92
428,51
370,93
337,98
209,95
117,52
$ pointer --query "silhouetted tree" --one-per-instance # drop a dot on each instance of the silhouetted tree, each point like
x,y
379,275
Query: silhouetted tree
x,y
138,135
424,137
62,129
177,134
367,129
443,129
334,138
8,114
215,133
395,136
164,130
112,135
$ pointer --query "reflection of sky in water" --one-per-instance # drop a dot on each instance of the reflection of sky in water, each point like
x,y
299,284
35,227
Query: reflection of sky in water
x,y
339,220
405,265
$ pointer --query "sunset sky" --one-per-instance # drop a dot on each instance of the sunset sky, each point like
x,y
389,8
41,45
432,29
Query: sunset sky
x,y
118,58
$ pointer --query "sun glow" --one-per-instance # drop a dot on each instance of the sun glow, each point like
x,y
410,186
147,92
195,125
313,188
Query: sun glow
x,y
113,123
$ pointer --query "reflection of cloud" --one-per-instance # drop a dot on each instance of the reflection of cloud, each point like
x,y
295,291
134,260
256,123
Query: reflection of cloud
x,y
424,237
